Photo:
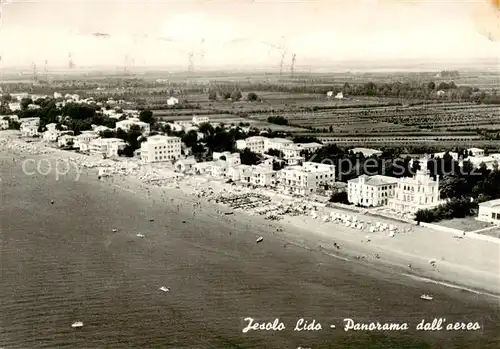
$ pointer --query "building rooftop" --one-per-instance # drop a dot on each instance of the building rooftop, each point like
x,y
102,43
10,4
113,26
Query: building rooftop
x,y
366,151
375,180
491,203
475,149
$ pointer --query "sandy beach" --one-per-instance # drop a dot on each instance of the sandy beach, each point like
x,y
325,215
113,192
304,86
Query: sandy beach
x,y
223,268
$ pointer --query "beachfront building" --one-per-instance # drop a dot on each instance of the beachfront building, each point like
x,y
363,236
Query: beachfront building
x,y
233,159
185,165
14,106
367,152
161,148
276,143
305,179
371,191
254,144
198,120
66,140
4,124
416,193
125,125
107,147
263,176
489,161
475,152
239,173
489,211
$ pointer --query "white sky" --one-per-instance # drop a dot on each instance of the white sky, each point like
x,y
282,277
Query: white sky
x,y
315,30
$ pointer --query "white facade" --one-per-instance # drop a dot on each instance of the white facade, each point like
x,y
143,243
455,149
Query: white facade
x,y
185,165
106,146
197,120
125,125
65,140
489,211
256,144
51,127
4,124
51,136
339,95
263,176
371,190
416,193
305,179
29,130
292,152
161,148
276,143
476,152
489,161
233,159
172,101
82,140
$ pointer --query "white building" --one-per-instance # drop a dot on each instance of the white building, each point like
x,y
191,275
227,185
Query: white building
x,y
198,120
255,144
30,121
440,155
233,159
83,140
475,152
58,95
50,135
371,191
125,125
489,211
172,101
14,106
416,193
329,94
161,148
11,117
51,127
276,143
263,176
65,140
239,173
367,152
185,165
29,130
305,179
4,124
339,95
292,153
106,146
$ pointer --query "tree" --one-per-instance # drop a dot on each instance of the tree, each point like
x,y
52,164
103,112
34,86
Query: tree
x,y
252,97
431,85
25,102
236,95
212,95
146,116
248,157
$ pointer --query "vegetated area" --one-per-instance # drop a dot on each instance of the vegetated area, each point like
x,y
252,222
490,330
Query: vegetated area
x,y
447,107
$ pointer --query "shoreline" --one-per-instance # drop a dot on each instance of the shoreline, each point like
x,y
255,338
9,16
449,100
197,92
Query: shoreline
x,y
307,233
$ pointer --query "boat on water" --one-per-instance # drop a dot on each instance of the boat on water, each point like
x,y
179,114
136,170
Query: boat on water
x,y
228,213
140,235
426,297
77,324
259,239
115,230
164,289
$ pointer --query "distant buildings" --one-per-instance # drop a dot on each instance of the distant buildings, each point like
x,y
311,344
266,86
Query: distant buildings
x,y
489,211
367,152
293,153
125,125
476,152
416,193
339,95
83,140
198,120
66,140
4,124
276,143
172,101
161,148
371,191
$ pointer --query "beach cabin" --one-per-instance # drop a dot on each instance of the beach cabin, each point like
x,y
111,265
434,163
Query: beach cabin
x,y
184,165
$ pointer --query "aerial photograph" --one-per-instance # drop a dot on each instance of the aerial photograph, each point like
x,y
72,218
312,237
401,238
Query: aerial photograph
x,y
249,174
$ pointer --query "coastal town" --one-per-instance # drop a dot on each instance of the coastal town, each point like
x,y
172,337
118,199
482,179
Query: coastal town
x,y
301,168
